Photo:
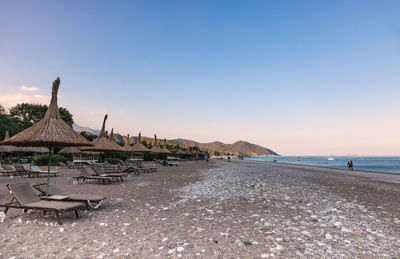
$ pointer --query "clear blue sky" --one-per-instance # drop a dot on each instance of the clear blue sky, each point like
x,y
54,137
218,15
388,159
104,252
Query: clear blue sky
x,y
299,77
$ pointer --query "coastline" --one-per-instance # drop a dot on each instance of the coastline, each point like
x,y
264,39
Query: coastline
x,y
362,173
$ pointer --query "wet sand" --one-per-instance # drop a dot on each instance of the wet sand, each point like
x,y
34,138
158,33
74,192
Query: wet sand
x,y
218,210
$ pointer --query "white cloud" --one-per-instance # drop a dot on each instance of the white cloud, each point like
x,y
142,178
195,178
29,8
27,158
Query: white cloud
x,y
10,100
28,88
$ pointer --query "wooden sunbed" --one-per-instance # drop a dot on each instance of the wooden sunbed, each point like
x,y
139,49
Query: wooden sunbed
x,y
84,175
35,171
91,200
25,198
116,174
9,170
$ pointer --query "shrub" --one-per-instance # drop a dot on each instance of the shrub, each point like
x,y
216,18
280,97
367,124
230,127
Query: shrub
x,y
113,161
42,160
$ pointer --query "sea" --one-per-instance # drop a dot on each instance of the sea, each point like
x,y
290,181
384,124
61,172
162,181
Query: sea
x,y
390,164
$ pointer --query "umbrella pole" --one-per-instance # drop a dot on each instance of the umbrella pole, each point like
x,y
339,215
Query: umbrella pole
x,y
48,171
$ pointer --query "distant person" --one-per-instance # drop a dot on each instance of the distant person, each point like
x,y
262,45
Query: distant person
x,y
206,158
229,158
348,165
351,165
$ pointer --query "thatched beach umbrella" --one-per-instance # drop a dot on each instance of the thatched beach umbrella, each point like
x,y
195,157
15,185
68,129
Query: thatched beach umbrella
x,y
69,150
138,147
39,150
127,148
165,149
6,149
180,152
112,135
49,132
102,142
156,148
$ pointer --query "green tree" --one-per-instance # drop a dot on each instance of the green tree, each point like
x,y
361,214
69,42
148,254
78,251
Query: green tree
x,y
2,110
28,114
10,124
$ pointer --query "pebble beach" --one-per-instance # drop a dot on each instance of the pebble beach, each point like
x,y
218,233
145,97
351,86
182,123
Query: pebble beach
x,y
219,209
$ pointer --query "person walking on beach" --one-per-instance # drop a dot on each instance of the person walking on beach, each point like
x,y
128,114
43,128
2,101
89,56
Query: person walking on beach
x,y
348,165
351,165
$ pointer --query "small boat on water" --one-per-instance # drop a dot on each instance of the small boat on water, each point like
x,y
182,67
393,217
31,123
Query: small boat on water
x,y
331,158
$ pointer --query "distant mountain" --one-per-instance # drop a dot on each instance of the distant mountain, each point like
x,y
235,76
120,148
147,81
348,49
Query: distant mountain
x,y
237,148
78,128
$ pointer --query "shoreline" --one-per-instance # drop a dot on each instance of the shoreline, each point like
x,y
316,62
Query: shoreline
x,y
327,167
360,173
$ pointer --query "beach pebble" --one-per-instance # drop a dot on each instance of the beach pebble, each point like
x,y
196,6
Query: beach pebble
x,y
2,216
264,255
61,230
345,230
180,249
337,224
103,224
328,236
116,250
171,251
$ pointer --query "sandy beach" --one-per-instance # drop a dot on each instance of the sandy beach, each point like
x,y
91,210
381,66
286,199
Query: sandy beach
x,y
217,210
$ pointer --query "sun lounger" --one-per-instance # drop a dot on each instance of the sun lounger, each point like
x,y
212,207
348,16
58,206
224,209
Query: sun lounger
x,y
62,165
73,165
35,171
149,169
91,200
84,175
25,198
9,170
116,174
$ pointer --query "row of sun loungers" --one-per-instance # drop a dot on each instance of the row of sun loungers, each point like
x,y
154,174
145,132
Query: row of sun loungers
x,y
58,201
24,170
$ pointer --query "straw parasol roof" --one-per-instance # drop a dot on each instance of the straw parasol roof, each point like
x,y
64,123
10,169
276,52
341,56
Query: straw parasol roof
x,y
112,135
127,147
102,142
180,152
156,148
31,150
165,149
138,147
187,152
7,149
50,131
69,150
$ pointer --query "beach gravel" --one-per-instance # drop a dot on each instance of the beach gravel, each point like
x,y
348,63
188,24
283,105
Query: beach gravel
x,y
217,210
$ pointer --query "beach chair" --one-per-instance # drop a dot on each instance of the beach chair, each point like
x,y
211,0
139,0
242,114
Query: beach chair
x,y
62,165
24,197
35,171
73,165
85,175
11,169
8,171
91,200
148,169
116,174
